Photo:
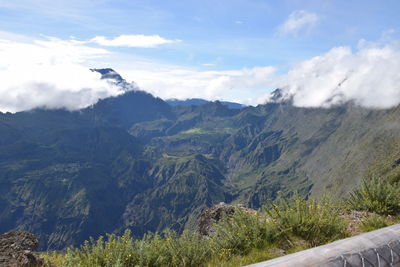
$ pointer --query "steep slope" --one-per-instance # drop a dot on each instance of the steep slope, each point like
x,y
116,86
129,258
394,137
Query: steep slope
x,y
59,181
278,147
183,187
67,176
61,171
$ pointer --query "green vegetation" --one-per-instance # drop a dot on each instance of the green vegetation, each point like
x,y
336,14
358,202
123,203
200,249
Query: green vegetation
x,y
244,237
242,232
188,249
194,131
134,162
376,195
373,222
317,222
241,238
254,256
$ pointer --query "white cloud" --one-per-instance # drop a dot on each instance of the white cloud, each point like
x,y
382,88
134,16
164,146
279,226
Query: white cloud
x,y
177,82
55,73
208,64
49,73
369,76
146,41
297,21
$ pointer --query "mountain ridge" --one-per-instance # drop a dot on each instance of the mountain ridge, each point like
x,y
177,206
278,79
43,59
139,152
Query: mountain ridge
x,y
199,101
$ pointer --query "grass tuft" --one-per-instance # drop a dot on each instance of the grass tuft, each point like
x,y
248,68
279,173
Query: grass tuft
x,y
373,222
317,222
376,195
237,234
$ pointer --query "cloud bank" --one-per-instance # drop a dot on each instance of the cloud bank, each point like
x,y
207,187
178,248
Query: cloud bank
x,y
243,85
369,76
49,73
145,41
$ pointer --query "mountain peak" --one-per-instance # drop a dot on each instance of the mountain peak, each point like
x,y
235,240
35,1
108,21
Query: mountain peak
x,y
114,77
279,96
109,73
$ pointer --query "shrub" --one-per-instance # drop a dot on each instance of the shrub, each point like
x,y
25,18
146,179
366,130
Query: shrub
x,y
236,236
373,222
242,231
115,251
376,195
53,258
188,249
313,221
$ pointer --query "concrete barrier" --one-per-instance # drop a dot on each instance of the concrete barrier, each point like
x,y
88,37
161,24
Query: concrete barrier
x,y
377,248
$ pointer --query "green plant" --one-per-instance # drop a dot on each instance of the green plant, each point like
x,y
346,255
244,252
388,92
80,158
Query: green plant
x,y
169,249
376,195
373,222
53,258
255,255
395,178
114,251
317,222
187,249
241,232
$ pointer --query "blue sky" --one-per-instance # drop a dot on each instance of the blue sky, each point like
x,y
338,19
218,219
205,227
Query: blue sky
x,y
202,40
233,33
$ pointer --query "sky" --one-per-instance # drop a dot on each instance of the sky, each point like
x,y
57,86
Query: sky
x,y
320,52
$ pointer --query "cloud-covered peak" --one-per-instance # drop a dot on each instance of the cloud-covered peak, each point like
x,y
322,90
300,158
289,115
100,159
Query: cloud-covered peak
x,y
113,77
50,73
109,73
369,76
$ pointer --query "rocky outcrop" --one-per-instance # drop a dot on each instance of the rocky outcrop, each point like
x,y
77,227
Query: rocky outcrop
x,y
16,250
212,215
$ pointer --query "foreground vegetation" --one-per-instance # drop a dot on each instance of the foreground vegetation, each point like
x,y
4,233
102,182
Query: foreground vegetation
x,y
287,226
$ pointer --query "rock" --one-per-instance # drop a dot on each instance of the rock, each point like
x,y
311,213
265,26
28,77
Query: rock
x,y
16,250
212,215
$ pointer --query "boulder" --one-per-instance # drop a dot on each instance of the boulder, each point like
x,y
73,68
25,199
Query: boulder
x,y
16,250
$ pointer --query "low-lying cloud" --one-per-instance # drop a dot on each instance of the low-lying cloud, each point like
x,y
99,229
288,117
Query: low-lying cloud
x,y
49,73
241,85
369,76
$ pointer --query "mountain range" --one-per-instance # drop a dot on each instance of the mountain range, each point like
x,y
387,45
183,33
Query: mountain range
x,y
135,161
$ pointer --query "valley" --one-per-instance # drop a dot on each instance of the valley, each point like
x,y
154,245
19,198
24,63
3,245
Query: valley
x,y
135,162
